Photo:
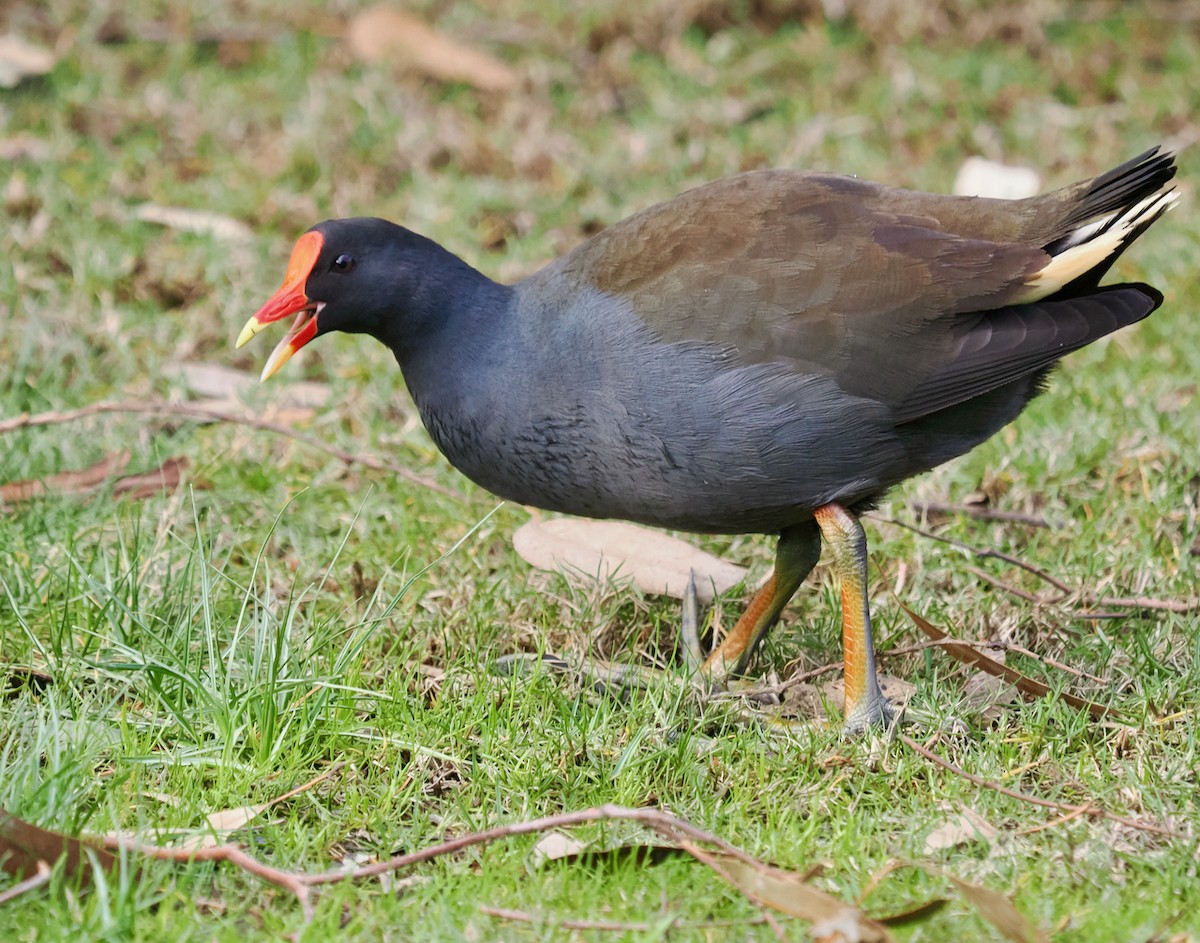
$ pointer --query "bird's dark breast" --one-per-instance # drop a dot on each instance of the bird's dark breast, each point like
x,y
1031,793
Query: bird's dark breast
x,y
681,435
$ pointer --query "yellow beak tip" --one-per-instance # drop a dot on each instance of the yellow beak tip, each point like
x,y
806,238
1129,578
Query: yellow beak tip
x,y
279,356
252,327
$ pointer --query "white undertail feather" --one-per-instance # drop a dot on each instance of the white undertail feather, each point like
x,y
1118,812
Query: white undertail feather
x,y
1092,243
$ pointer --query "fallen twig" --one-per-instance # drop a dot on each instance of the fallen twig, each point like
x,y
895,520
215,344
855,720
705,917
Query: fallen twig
x,y
981,513
40,877
777,690
203,413
1066,593
982,553
615,926
1054,823
305,787
1007,587
1088,808
302,885
297,884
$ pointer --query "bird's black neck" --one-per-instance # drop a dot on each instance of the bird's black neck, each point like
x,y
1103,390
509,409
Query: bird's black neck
x,y
446,296
454,317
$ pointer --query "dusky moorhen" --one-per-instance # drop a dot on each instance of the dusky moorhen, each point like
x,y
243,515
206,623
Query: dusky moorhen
x,y
768,353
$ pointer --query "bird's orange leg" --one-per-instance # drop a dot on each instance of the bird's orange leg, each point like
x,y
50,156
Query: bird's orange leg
x,y
795,557
865,703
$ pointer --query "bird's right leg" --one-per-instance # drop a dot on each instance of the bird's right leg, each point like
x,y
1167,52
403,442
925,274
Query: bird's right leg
x,y
865,703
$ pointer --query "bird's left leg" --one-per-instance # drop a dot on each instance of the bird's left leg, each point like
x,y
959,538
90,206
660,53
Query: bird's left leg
x,y
797,553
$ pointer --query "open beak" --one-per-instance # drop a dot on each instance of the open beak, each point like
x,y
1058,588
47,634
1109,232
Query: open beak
x,y
290,299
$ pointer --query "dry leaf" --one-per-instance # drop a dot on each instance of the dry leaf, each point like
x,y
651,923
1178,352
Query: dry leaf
x,y
999,911
600,550
563,847
553,846
384,34
992,906
21,59
1027,686
231,410
144,484
221,824
914,913
198,221
221,384
164,798
966,827
833,921
980,177
230,820
23,845
141,485
229,391
216,829
218,825
212,380
69,482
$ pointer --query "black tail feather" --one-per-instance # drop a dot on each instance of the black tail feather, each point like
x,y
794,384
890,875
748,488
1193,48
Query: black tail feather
x,y
1122,187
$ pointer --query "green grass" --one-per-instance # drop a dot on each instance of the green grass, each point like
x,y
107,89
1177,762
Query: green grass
x,y
283,613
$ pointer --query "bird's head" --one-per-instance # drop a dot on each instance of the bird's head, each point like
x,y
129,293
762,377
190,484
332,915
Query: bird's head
x,y
353,275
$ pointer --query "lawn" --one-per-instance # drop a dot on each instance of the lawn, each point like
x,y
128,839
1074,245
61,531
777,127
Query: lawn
x,y
317,595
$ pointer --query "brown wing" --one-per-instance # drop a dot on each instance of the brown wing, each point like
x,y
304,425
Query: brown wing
x,y
893,294
839,277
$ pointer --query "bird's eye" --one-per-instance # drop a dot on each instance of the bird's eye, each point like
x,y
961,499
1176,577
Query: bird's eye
x,y
342,264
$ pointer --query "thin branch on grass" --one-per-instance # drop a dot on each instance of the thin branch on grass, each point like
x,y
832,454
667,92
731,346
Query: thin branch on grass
x,y
775,926
1007,587
297,884
981,553
305,787
1088,808
1055,823
29,884
810,674
207,414
1087,600
1181,606
302,885
981,513
602,675
777,690
771,692
615,926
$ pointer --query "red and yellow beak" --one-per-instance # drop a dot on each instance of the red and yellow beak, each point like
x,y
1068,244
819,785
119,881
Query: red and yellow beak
x,y
290,299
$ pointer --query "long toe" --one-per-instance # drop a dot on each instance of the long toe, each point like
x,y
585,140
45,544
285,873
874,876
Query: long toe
x,y
689,628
